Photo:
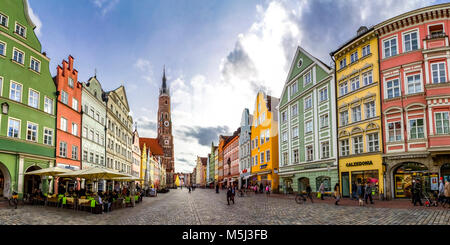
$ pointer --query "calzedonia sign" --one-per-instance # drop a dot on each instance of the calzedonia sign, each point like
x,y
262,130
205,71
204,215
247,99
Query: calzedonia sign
x,y
356,164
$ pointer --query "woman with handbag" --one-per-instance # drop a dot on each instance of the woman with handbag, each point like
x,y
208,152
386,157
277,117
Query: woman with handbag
x,y
337,195
322,190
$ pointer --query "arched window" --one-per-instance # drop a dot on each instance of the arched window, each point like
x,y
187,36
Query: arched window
x,y
326,183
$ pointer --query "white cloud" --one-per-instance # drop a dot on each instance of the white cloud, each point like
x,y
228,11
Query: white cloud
x,y
146,68
36,20
105,5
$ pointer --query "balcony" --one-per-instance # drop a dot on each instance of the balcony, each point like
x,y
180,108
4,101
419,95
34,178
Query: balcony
x,y
436,40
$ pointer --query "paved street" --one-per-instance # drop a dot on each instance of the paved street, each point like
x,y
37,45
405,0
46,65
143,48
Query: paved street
x,y
205,207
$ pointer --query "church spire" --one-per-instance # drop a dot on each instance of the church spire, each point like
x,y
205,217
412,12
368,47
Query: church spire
x,y
164,89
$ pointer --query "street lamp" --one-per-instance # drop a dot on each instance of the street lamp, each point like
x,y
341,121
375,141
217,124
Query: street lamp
x,y
5,108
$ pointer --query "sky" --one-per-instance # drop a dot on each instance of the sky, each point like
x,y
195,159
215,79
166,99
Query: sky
x,y
218,54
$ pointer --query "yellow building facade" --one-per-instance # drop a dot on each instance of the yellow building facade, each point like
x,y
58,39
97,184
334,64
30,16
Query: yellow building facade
x,y
359,113
264,142
143,164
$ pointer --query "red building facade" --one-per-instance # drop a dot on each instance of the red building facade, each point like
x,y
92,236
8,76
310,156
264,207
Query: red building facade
x,y
414,71
231,159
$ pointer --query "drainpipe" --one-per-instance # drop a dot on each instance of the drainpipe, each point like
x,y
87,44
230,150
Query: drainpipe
x,y
337,121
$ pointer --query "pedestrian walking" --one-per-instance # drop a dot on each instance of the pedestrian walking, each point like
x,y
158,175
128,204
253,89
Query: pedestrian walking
x,y
255,188
217,188
447,193
261,188
233,193
354,191
441,192
337,194
229,193
267,189
189,189
308,192
413,191
368,193
322,190
417,193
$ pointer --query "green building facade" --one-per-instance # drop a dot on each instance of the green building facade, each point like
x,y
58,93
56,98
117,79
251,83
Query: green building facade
x,y
28,102
307,115
212,164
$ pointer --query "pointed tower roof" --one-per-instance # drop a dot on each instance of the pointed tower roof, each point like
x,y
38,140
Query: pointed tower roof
x,y
164,89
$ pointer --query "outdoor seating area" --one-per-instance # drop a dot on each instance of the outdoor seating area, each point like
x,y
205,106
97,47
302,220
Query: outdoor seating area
x,y
123,194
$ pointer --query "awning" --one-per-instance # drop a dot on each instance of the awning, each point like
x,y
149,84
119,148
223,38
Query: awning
x,y
265,172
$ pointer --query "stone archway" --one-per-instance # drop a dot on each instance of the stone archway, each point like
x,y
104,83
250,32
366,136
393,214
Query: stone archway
x,y
5,181
404,173
302,183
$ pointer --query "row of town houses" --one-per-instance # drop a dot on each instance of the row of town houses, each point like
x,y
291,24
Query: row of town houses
x,y
379,116
59,121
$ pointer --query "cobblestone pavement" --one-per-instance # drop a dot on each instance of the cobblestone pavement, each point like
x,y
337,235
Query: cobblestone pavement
x,y
205,207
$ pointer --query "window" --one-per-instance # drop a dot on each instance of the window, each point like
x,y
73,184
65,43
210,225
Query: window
x,y
48,136
294,110
32,132
410,41
20,30
354,57
85,155
285,158
343,116
102,160
307,79
91,157
357,145
323,94
256,141
294,88
345,150
441,119
416,129
262,138
96,158
414,84
64,97
63,126
356,113
33,98
343,63
343,89
393,88
256,160
325,150
284,136
308,127
2,49
390,47
18,56
48,105
3,20
308,103
267,135
295,156
372,142
267,156
295,132
16,92
75,152
438,72
75,104
309,153
355,83
75,129
262,157
85,131
395,131
324,121
367,78
70,82
35,65
62,149
366,50
370,109
91,112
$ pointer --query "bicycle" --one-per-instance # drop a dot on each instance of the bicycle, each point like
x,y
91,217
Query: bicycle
x,y
300,198
14,200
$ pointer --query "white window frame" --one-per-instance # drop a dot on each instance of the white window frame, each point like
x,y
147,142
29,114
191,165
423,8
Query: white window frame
x,y
309,122
356,117
409,32
346,147
410,128
75,101
366,77
1,85
295,132
407,76
24,30
308,98
353,82
66,101
323,94
295,156
307,74
343,63
370,112
261,157
376,143
74,128
65,149
76,152
36,131
439,71
309,157
366,49
294,112
47,107
354,57
47,135
294,88
358,145
36,61
19,129
390,47
63,124
19,51
324,123
346,118
70,82
324,154
436,123
395,132
6,17
38,98
393,88
343,88
4,48
284,136
21,90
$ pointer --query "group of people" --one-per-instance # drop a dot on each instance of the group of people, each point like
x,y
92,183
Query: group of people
x,y
363,192
444,192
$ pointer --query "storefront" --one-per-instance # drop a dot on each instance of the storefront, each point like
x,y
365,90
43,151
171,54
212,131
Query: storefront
x,y
445,172
405,174
297,181
359,171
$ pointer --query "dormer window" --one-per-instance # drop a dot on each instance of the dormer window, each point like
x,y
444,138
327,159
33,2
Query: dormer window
x,y
20,30
3,20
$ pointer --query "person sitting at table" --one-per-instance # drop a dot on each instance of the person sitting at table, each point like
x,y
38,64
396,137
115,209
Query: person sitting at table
x,y
61,188
124,191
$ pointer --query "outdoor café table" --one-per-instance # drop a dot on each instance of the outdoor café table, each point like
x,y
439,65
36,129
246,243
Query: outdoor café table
x,y
52,199
81,202
70,201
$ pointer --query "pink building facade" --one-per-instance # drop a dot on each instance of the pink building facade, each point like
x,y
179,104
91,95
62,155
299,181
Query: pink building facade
x,y
414,71
231,160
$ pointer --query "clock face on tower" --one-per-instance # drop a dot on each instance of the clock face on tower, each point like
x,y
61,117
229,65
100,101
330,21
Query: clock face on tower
x,y
166,142
166,123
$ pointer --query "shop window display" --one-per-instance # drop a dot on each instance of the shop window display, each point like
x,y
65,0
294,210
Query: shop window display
x,y
405,174
363,177
326,183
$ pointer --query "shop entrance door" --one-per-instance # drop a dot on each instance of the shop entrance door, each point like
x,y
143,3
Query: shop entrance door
x,y
345,184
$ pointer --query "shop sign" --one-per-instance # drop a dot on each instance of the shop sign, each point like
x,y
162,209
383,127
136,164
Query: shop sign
x,y
356,164
263,166
434,182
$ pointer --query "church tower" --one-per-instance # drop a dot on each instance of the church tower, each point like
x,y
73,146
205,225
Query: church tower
x,y
165,138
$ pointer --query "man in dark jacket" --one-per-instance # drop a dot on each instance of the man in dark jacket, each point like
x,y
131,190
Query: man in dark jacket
x,y
308,192
417,193
229,194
